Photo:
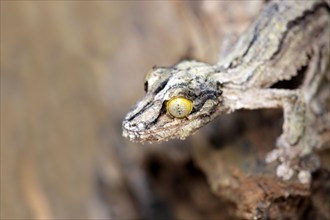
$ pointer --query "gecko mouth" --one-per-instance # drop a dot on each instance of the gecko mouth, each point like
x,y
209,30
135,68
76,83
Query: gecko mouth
x,y
154,135
165,128
149,135
159,132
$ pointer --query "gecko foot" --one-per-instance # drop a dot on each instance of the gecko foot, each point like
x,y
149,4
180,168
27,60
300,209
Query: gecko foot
x,y
292,161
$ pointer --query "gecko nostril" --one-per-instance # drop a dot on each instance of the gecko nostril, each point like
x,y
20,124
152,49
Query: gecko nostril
x,y
141,126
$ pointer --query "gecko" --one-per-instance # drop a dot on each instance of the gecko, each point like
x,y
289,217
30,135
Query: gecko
x,y
286,39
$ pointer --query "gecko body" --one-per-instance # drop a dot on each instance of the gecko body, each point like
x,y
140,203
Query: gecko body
x,y
288,36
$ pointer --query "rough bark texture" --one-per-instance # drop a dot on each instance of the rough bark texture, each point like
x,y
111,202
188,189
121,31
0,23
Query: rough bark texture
x,y
71,70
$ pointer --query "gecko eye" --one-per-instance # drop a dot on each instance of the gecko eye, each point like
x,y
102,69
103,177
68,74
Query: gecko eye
x,y
179,107
146,86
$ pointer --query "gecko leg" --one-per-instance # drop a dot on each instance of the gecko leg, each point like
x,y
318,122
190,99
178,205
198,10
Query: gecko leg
x,y
292,145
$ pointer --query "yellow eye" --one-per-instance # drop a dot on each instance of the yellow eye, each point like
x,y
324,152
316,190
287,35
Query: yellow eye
x,y
179,107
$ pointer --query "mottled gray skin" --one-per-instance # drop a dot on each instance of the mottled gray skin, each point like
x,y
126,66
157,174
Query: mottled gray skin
x,y
148,121
285,37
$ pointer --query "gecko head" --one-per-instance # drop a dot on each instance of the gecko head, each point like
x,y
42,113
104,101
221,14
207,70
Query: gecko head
x,y
178,101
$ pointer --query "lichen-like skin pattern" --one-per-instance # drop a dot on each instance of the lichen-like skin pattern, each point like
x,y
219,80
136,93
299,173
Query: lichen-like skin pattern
x,y
287,36
150,121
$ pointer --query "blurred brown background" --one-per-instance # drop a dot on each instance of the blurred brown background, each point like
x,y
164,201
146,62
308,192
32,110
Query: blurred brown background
x,y
70,71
